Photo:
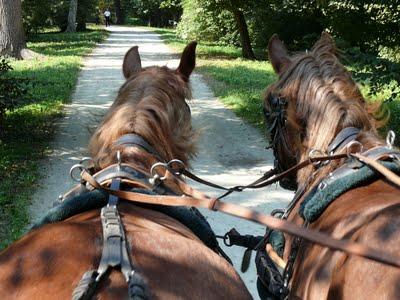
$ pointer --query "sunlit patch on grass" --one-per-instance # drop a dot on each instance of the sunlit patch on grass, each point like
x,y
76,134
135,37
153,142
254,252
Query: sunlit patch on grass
x,y
28,129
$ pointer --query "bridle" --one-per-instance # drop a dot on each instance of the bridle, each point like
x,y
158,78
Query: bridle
x,y
276,121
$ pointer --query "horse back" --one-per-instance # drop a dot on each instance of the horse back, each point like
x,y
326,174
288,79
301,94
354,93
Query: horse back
x,y
368,215
49,262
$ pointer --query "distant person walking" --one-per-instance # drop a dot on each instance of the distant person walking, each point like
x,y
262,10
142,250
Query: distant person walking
x,y
107,16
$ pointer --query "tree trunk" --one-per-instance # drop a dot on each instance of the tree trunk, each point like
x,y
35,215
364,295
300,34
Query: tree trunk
x,y
12,35
247,50
119,12
81,19
73,7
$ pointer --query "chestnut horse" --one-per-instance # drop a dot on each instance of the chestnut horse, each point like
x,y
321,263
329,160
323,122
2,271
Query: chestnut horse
x,y
317,101
49,262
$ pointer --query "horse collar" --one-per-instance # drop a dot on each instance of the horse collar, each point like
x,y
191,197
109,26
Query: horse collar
x,y
134,140
345,136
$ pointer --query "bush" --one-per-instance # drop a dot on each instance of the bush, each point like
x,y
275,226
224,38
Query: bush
x,y
14,91
366,24
201,23
39,14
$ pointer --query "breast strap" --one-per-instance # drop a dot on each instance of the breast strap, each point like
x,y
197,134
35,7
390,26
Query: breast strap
x,y
115,254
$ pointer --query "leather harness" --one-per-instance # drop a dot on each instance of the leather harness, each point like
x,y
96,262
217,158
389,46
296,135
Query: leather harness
x,y
277,282
115,238
115,253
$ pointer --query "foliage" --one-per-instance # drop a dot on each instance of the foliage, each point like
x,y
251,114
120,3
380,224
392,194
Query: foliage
x,y
159,13
40,14
239,83
200,22
381,75
212,51
14,91
28,129
296,22
367,24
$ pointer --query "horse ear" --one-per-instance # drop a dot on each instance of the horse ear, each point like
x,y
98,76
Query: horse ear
x,y
132,63
325,44
188,61
278,54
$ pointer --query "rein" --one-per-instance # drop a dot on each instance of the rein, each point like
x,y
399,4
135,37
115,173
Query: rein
x,y
198,199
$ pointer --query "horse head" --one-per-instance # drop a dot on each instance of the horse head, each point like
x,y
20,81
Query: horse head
x,y
313,100
151,104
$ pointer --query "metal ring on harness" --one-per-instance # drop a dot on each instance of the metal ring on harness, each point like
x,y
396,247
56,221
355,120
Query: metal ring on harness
x,y
85,160
390,138
225,238
153,172
75,167
351,149
177,171
315,152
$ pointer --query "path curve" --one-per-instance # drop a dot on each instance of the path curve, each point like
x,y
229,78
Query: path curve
x,y
231,152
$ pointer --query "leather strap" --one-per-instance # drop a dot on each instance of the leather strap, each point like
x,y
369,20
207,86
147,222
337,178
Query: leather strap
x,y
257,184
345,136
134,140
202,200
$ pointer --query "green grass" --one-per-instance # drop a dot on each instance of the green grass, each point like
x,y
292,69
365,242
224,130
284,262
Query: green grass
x,y
240,83
29,129
204,50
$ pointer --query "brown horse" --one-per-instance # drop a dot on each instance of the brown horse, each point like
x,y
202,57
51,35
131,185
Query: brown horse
x,y
49,262
317,100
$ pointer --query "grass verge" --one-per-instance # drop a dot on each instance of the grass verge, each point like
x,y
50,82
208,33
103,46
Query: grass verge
x,y
28,129
240,83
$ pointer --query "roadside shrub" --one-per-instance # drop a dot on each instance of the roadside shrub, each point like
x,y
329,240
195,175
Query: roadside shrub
x,y
198,22
381,75
14,91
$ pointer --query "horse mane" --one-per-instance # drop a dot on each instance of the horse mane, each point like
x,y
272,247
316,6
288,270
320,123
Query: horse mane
x,y
326,101
152,105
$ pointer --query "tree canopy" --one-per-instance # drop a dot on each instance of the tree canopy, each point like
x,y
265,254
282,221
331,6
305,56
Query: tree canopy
x,y
366,24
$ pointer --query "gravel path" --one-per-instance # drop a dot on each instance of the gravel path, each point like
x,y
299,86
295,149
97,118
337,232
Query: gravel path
x,y
231,152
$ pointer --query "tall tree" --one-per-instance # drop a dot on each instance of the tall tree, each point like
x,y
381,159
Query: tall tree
x,y
73,7
236,7
247,50
119,12
12,35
